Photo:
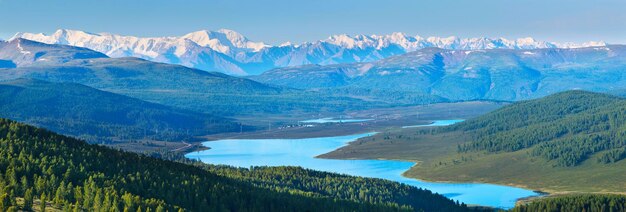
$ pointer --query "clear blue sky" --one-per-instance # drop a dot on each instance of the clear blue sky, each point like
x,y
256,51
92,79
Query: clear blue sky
x,y
277,21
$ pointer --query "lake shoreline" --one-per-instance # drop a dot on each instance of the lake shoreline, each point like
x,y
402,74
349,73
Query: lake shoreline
x,y
256,135
395,173
541,194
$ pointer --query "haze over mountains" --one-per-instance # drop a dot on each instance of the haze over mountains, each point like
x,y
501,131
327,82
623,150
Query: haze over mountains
x,y
172,85
496,74
420,77
230,52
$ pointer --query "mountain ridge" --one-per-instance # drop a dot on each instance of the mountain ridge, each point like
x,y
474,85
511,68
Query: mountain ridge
x,y
232,53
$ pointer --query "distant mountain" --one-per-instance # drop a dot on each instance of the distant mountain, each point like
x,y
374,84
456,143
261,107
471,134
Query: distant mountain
x,y
172,85
230,52
24,53
95,115
497,74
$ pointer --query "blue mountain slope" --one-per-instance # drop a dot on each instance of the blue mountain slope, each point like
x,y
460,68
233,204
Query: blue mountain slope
x,y
499,74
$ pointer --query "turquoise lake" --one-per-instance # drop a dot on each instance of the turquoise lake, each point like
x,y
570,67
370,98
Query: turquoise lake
x,y
302,152
333,120
437,123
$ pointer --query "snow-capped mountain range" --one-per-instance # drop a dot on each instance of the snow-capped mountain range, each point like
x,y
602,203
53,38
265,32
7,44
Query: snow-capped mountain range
x,y
232,53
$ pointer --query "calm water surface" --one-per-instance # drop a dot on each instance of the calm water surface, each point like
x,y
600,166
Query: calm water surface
x,y
437,123
301,152
333,120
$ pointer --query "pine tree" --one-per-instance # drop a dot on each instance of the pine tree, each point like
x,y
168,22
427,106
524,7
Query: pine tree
x,y
42,206
59,196
28,199
160,208
5,202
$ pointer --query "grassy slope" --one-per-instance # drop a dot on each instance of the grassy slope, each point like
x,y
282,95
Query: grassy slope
x,y
520,169
439,159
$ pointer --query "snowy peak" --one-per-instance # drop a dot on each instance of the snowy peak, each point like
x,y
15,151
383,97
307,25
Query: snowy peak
x,y
224,40
230,52
61,36
346,41
411,43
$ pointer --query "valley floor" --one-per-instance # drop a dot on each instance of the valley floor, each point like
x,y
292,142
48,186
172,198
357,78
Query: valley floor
x,y
281,126
288,126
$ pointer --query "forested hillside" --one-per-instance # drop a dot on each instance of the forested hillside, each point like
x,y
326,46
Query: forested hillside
x,y
578,202
100,116
339,186
70,174
566,128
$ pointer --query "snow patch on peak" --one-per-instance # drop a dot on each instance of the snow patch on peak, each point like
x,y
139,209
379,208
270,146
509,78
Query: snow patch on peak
x,y
285,44
398,35
229,31
22,51
224,41
342,40
526,41
351,42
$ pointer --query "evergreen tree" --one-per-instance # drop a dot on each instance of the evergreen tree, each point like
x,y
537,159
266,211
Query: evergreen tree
x,y
28,199
5,202
42,205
